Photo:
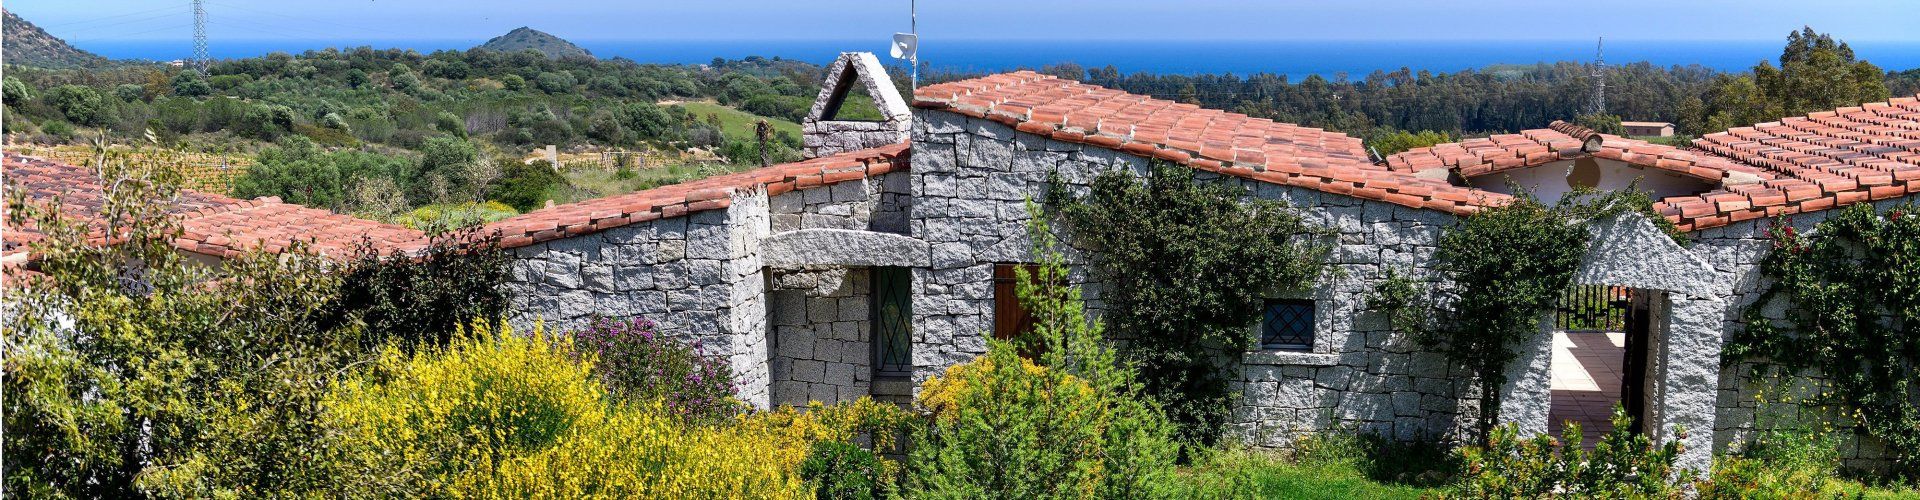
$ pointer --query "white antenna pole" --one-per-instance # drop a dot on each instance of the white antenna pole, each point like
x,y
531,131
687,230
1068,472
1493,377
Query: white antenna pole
x,y
913,12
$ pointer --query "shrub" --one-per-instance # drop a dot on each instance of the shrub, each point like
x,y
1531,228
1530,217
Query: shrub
x,y
1624,464
125,381
840,470
524,186
423,300
1074,424
496,414
443,217
641,366
1780,464
1188,266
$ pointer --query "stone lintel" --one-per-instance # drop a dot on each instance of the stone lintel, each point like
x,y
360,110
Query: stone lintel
x,y
843,247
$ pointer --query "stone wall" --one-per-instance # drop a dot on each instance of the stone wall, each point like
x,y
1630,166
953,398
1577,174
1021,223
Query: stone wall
x,y
820,328
869,204
1735,252
972,178
698,276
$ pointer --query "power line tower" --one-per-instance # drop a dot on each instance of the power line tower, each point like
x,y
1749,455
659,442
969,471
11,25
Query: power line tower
x,y
1599,105
200,59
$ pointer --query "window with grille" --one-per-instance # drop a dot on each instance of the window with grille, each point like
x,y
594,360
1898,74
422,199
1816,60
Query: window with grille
x,y
892,322
1287,324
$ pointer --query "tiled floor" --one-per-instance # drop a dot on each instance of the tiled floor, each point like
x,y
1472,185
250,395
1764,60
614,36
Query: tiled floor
x,y
1586,381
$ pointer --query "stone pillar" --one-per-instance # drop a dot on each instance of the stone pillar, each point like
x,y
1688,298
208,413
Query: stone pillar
x,y
1688,365
1528,394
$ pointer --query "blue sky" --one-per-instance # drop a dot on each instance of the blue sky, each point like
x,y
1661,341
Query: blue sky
x,y
347,20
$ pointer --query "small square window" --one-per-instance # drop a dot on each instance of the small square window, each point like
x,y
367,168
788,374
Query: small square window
x,y
1287,324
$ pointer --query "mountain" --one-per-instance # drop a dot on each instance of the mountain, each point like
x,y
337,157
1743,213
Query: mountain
x,y
26,44
524,38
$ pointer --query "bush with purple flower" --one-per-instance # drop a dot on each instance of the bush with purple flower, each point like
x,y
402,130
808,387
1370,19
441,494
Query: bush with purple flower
x,y
640,365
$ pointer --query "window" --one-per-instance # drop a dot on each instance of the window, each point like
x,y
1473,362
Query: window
x,y
1009,317
892,310
1287,324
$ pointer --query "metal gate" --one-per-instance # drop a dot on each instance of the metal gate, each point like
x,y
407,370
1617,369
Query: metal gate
x,y
1593,308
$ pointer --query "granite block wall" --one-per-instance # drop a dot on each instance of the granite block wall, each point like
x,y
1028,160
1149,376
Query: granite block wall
x,y
1736,251
698,276
820,329
973,177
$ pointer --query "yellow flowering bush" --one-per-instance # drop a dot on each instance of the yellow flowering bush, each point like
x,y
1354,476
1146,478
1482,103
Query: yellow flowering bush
x,y
495,414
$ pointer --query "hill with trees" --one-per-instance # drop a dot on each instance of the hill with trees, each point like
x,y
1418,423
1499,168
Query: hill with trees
x,y
27,44
525,38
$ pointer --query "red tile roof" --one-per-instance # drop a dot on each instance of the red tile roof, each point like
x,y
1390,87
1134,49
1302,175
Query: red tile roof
x,y
210,224
1562,141
267,224
79,191
705,194
1814,162
1206,139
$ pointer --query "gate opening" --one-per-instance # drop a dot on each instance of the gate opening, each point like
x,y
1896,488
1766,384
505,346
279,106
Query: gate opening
x,y
1600,340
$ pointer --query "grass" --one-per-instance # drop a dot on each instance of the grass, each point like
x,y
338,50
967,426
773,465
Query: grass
x,y
1327,465
589,183
737,124
1266,474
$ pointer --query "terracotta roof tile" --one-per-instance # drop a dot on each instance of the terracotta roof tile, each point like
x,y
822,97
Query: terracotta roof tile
x,y
695,196
79,191
269,225
1204,139
1561,141
1823,160
210,224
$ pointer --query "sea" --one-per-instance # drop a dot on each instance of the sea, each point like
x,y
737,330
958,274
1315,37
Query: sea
x,y
1295,58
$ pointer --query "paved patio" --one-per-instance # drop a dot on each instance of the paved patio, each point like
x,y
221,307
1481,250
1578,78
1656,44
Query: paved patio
x,y
1586,381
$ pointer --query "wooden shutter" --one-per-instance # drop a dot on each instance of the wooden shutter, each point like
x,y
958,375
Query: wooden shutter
x,y
1009,317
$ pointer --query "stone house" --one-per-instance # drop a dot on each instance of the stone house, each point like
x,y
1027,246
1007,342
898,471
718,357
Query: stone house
x,y
887,256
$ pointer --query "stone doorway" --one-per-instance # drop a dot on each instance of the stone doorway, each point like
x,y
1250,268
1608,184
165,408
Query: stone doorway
x,y
1597,365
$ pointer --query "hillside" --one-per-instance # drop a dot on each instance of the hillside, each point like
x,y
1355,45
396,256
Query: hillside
x,y
26,44
524,38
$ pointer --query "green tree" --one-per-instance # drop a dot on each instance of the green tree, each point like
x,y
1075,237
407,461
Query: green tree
x,y
188,83
80,104
1817,72
1187,268
1602,123
16,92
1506,265
439,173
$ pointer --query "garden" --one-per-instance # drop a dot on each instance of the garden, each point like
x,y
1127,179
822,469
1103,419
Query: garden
x,y
133,372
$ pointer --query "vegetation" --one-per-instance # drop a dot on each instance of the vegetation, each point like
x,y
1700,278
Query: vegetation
x,y
1071,424
1189,267
639,365
1624,464
1506,265
1848,297
168,376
